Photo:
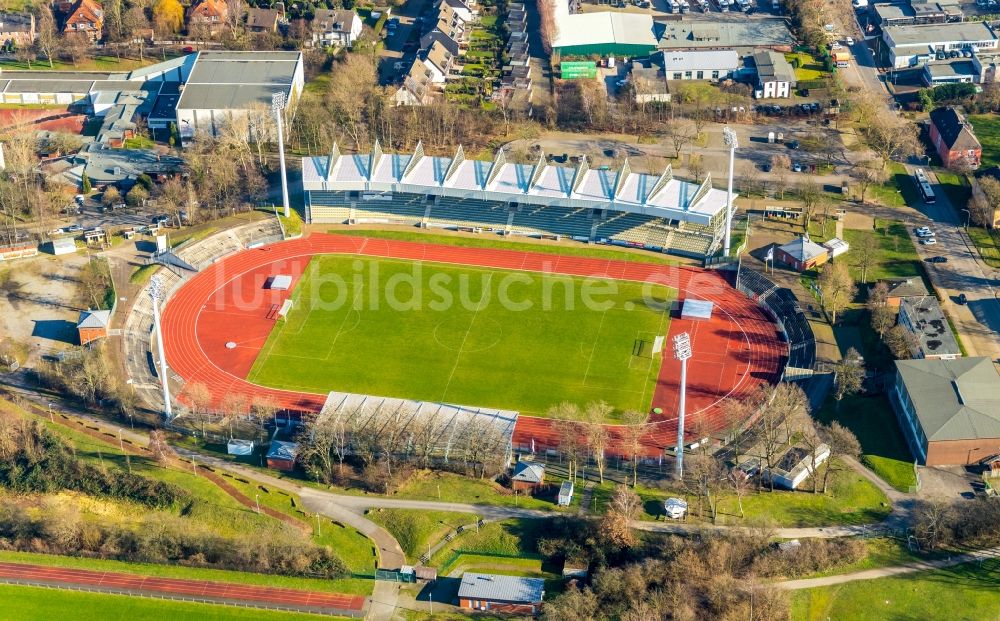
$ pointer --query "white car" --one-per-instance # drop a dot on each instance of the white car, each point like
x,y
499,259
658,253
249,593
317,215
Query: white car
x,y
924,232
849,41
928,241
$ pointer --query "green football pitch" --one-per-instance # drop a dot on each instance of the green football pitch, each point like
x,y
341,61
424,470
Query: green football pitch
x,y
464,335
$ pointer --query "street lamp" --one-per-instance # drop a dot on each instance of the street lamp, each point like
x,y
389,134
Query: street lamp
x,y
729,137
278,102
968,218
682,352
156,294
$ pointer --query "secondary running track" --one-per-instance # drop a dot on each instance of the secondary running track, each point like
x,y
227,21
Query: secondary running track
x,y
216,324
172,588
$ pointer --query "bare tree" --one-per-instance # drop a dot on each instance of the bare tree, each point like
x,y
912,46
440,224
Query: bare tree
x,y
811,196
680,133
901,342
866,174
596,414
48,40
706,477
780,166
740,483
632,432
571,434
696,166
837,287
842,443
881,315
849,375
616,524
867,254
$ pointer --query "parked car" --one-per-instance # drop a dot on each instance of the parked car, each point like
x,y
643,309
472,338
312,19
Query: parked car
x,y
796,167
928,241
849,41
73,228
962,299
793,144
936,259
766,167
80,198
160,219
924,232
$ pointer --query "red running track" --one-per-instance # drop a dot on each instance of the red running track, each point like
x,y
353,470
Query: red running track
x,y
217,323
169,587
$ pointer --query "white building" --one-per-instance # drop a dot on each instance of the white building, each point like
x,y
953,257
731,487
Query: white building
x,y
711,65
913,45
332,28
775,77
465,11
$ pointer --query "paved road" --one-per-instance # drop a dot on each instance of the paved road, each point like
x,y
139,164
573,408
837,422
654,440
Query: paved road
x,y
887,572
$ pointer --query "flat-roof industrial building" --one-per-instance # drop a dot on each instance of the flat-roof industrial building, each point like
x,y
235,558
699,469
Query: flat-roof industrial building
x,y
602,33
913,45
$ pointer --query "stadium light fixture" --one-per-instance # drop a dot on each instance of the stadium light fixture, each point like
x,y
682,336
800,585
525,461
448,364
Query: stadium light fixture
x,y
682,352
278,103
729,137
156,294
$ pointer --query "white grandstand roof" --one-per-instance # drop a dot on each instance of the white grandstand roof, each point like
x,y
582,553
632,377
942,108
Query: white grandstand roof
x,y
541,183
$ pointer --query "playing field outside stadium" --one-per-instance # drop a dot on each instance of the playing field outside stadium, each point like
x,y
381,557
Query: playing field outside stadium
x,y
466,335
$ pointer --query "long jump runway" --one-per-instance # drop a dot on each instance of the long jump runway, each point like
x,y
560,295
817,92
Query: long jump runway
x,y
216,324
188,590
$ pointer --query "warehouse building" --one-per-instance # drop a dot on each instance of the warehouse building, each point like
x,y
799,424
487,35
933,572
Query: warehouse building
x,y
745,36
910,46
603,33
949,410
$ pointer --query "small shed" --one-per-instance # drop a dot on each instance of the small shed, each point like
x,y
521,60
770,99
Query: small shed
x,y
836,247
62,245
95,236
675,508
509,594
18,250
565,493
282,455
697,309
425,574
93,325
235,446
281,282
528,475
576,568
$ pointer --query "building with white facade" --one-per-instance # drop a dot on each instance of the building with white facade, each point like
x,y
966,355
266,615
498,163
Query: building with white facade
x,y
775,76
711,65
913,45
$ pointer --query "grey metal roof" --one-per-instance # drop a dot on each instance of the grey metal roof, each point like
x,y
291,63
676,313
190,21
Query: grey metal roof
x,y
725,33
772,66
267,56
930,326
952,68
94,318
501,588
907,287
283,450
929,34
803,249
693,60
229,96
954,399
528,472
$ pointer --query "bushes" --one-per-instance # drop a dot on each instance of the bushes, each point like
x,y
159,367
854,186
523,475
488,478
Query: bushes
x,y
33,460
60,530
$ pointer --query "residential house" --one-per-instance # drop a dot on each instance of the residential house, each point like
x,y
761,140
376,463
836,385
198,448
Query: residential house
x,y
85,16
954,140
506,594
949,410
264,20
649,84
775,77
335,28
17,30
465,11
208,17
93,325
417,86
801,254
436,35
439,61
902,288
711,65
932,337
450,24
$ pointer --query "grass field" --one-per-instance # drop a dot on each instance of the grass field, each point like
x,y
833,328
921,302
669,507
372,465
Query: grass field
x,y
987,243
987,127
963,593
466,335
416,530
38,604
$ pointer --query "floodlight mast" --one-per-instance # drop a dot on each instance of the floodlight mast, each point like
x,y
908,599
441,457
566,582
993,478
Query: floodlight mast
x,y
156,294
729,137
278,102
682,352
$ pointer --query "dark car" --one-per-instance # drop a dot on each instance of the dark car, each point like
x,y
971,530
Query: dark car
x,y
793,144
766,167
962,299
936,259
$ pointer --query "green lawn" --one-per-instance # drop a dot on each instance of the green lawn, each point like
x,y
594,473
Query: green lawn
x,y
139,142
987,127
451,487
987,242
141,274
956,187
507,538
898,191
810,68
968,592
466,335
570,249
38,604
417,530
872,420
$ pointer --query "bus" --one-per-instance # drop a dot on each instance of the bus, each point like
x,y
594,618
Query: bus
x,y
924,185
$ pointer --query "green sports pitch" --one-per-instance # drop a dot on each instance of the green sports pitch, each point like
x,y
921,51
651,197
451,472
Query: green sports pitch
x,y
465,335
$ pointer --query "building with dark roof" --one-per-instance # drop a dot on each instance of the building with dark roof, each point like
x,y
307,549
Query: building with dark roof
x,y
508,594
775,76
282,455
264,20
953,139
527,476
949,410
335,28
923,318
17,29
901,288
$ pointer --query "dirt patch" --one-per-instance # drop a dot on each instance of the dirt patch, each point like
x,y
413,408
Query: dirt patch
x,y
38,306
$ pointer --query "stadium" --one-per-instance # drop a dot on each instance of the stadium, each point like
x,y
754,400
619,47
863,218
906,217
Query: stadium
x,y
293,322
656,212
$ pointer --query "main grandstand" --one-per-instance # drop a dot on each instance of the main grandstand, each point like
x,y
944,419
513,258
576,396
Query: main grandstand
x,y
620,207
